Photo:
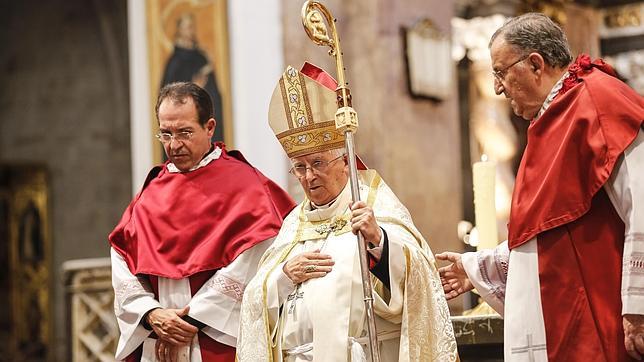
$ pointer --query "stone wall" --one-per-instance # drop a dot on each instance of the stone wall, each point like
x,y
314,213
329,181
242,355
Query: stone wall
x,y
64,104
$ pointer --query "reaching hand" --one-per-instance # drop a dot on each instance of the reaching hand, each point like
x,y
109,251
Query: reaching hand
x,y
306,266
165,351
169,326
634,335
453,277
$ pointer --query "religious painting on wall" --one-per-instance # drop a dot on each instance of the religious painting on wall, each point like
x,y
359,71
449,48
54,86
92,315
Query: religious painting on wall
x,y
25,261
188,41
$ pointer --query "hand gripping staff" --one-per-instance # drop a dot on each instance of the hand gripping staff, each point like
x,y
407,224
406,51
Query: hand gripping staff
x,y
315,18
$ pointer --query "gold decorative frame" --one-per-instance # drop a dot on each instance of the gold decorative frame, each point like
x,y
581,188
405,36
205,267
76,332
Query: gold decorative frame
x,y
24,189
211,24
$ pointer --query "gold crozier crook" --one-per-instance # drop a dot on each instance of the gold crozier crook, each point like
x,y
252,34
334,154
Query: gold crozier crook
x,y
315,18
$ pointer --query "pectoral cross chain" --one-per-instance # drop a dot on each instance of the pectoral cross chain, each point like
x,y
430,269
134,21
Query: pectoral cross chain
x,y
293,297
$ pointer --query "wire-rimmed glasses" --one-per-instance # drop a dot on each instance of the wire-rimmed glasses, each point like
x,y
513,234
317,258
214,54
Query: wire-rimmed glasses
x,y
500,74
317,167
166,137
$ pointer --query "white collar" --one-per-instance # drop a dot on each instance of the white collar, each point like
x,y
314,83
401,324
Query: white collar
x,y
206,160
336,207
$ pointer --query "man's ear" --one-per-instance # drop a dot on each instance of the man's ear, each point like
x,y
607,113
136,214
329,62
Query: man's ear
x,y
210,126
537,63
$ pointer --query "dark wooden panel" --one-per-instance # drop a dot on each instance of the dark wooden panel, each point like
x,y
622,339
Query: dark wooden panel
x,y
611,46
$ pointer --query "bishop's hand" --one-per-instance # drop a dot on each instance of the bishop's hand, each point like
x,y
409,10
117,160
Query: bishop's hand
x,y
453,277
364,221
306,266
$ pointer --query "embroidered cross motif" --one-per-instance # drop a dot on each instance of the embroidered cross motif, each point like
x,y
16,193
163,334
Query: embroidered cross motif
x,y
293,297
530,348
325,229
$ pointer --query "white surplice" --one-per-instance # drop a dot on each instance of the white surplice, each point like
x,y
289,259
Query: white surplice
x,y
216,304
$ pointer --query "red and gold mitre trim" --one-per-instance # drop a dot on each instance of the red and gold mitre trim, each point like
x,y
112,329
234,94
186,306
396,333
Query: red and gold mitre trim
x,y
302,113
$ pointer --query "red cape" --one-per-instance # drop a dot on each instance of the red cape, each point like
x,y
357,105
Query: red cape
x,y
571,151
580,281
558,197
181,224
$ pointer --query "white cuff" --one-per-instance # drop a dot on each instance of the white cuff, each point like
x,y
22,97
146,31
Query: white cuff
x,y
285,285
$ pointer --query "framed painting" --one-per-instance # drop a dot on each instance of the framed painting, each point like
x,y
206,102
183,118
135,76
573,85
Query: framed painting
x,y
429,61
188,41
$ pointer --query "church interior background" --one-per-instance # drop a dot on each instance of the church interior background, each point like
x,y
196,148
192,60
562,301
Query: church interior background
x,y
76,128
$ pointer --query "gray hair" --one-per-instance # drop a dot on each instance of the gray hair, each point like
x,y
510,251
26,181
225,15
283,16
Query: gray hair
x,y
534,32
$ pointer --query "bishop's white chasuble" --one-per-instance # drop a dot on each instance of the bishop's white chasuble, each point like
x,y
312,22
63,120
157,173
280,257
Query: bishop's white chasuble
x,y
323,319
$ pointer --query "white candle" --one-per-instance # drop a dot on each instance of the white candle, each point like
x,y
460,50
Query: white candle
x,y
484,174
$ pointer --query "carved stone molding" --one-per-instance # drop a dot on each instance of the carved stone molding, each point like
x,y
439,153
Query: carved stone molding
x,y
483,8
620,21
94,331
472,36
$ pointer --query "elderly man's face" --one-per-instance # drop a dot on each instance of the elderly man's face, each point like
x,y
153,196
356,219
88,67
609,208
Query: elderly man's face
x,y
322,184
516,79
176,118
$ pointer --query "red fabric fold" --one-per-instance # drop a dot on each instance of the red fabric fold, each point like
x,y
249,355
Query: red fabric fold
x,y
572,149
581,301
583,65
319,75
185,223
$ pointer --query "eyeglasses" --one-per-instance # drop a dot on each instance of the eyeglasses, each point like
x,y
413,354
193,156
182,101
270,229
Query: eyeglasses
x,y
166,137
317,167
500,74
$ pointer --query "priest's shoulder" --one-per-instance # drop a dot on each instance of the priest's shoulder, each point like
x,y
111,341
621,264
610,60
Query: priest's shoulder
x,y
237,163
606,88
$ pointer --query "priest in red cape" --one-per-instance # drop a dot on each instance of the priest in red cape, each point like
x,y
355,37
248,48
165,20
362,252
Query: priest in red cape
x,y
190,240
569,281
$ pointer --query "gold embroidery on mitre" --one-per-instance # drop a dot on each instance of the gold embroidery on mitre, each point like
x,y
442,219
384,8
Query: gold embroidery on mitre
x,y
312,138
295,99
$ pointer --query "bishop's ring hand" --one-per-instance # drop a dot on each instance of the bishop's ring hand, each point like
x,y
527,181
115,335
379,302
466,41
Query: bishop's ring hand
x,y
307,265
